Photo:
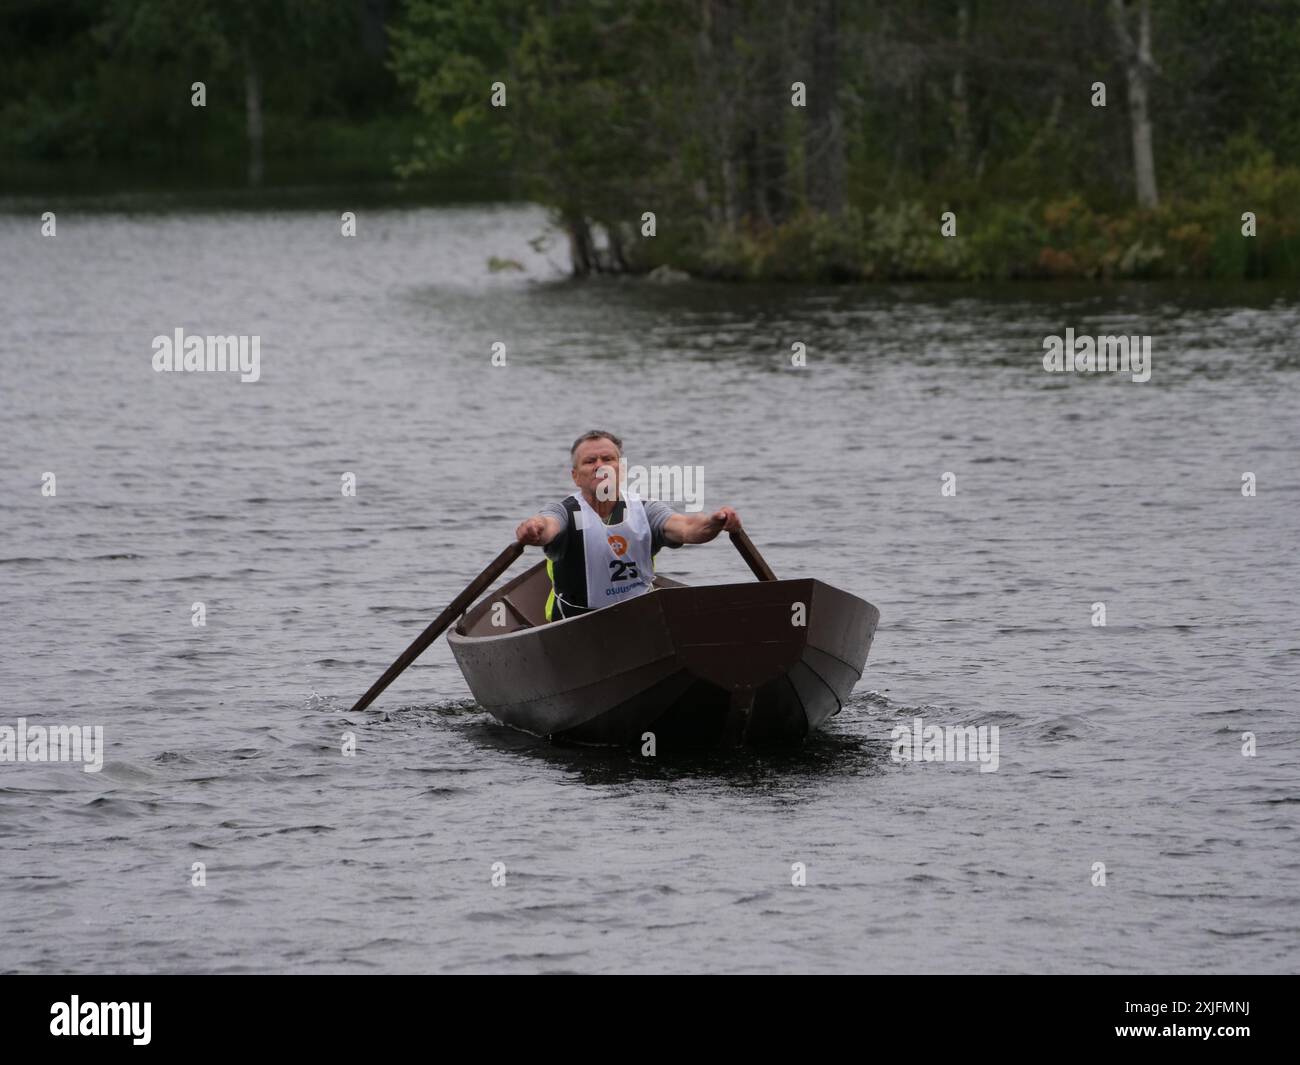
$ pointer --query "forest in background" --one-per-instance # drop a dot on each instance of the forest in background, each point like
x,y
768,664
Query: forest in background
x,y
770,139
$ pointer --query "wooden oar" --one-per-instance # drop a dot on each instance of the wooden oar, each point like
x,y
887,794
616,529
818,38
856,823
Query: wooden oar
x,y
440,624
750,554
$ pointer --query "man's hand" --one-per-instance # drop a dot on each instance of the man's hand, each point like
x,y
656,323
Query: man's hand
x,y
701,528
537,530
724,519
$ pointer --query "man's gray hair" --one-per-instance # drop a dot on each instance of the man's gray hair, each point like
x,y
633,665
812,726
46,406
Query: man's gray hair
x,y
595,434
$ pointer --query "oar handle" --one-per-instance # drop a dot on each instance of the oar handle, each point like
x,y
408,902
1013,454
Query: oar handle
x,y
439,624
750,554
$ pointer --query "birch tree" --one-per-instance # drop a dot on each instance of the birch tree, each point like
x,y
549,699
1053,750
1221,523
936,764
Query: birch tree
x,y
1139,68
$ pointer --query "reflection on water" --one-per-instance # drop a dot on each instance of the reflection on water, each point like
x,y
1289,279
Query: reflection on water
x,y
826,753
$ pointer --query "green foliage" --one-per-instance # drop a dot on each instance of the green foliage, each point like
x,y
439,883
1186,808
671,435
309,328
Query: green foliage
x,y
110,81
810,247
904,242
682,108
996,240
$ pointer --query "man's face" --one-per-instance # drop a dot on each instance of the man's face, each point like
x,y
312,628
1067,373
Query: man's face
x,y
596,469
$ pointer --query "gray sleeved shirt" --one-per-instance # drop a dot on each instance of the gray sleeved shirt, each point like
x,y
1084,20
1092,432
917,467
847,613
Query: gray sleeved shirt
x,y
656,513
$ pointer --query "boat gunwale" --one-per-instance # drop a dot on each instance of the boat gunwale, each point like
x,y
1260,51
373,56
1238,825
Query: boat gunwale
x,y
464,637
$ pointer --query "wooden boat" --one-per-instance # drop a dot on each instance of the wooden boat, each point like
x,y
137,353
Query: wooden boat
x,y
697,666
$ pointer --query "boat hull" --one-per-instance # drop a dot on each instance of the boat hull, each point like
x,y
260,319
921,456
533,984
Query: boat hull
x,y
757,663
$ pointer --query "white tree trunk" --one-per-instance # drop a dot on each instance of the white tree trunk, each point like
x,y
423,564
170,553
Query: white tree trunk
x,y
1138,68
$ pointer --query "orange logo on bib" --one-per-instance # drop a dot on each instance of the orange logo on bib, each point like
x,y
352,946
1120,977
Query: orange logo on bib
x,y
619,544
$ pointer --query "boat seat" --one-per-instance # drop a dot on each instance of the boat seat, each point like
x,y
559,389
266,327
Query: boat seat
x,y
520,616
525,603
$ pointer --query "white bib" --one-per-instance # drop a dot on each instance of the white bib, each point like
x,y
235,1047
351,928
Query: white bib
x,y
617,556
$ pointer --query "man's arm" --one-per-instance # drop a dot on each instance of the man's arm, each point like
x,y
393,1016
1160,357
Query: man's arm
x,y
540,529
700,528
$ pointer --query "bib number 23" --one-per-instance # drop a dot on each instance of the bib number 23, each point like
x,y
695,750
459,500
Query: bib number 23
x,y
622,571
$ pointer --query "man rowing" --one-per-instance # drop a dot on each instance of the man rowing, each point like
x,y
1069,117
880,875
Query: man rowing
x,y
601,541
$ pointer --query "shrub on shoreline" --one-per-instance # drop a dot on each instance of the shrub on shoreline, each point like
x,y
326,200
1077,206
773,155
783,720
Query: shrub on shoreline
x,y
1197,235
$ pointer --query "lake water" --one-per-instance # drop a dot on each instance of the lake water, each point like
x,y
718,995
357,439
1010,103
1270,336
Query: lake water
x,y
1120,744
